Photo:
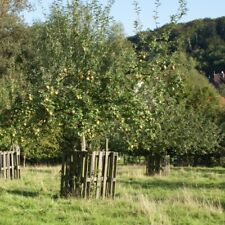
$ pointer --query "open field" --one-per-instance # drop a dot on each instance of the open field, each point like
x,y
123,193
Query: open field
x,y
189,196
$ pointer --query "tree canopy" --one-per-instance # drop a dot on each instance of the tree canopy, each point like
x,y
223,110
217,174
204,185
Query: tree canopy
x,y
76,74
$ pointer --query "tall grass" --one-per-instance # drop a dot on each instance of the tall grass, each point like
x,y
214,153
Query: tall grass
x,y
189,196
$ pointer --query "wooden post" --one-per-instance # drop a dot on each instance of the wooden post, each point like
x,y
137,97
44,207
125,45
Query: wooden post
x,y
4,165
12,165
106,144
83,143
0,164
18,163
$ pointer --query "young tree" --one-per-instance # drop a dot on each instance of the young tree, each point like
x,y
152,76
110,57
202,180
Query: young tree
x,y
80,79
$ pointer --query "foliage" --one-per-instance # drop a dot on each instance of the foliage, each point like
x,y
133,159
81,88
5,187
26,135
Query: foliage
x,y
187,103
12,7
78,75
80,78
191,123
14,51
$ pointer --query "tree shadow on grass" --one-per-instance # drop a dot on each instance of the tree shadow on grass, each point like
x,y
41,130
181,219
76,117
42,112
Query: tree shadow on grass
x,y
201,169
24,193
36,170
169,185
223,204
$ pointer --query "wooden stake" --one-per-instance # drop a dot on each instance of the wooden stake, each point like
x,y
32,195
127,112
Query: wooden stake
x,y
83,143
106,144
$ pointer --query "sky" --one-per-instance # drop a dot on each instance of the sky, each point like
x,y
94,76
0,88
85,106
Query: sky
x,y
123,12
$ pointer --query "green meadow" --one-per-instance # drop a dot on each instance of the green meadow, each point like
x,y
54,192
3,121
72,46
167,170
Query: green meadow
x,y
188,196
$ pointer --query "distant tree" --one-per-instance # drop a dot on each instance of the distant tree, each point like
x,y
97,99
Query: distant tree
x,y
12,7
14,39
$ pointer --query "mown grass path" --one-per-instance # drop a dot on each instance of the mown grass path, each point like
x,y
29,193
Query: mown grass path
x,y
189,196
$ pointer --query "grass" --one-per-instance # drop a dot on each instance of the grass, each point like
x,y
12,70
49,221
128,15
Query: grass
x,y
189,196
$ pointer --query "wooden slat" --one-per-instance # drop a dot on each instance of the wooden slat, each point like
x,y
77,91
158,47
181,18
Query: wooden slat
x,y
115,156
105,170
92,168
67,173
18,164
1,161
79,174
89,156
4,165
12,165
99,175
8,165
111,174
85,186
92,173
62,175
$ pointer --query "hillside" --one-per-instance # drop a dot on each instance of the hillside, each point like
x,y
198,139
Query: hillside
x,y
204,40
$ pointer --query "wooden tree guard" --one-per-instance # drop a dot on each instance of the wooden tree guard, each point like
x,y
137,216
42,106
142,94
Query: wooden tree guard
x,y
165,170
10,163
156,164
88,174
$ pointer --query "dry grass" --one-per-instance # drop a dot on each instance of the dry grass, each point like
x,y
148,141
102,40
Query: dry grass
x,y
186,197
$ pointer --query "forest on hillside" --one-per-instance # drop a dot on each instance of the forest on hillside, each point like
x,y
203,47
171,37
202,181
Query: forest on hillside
x,y
202,39
76,74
